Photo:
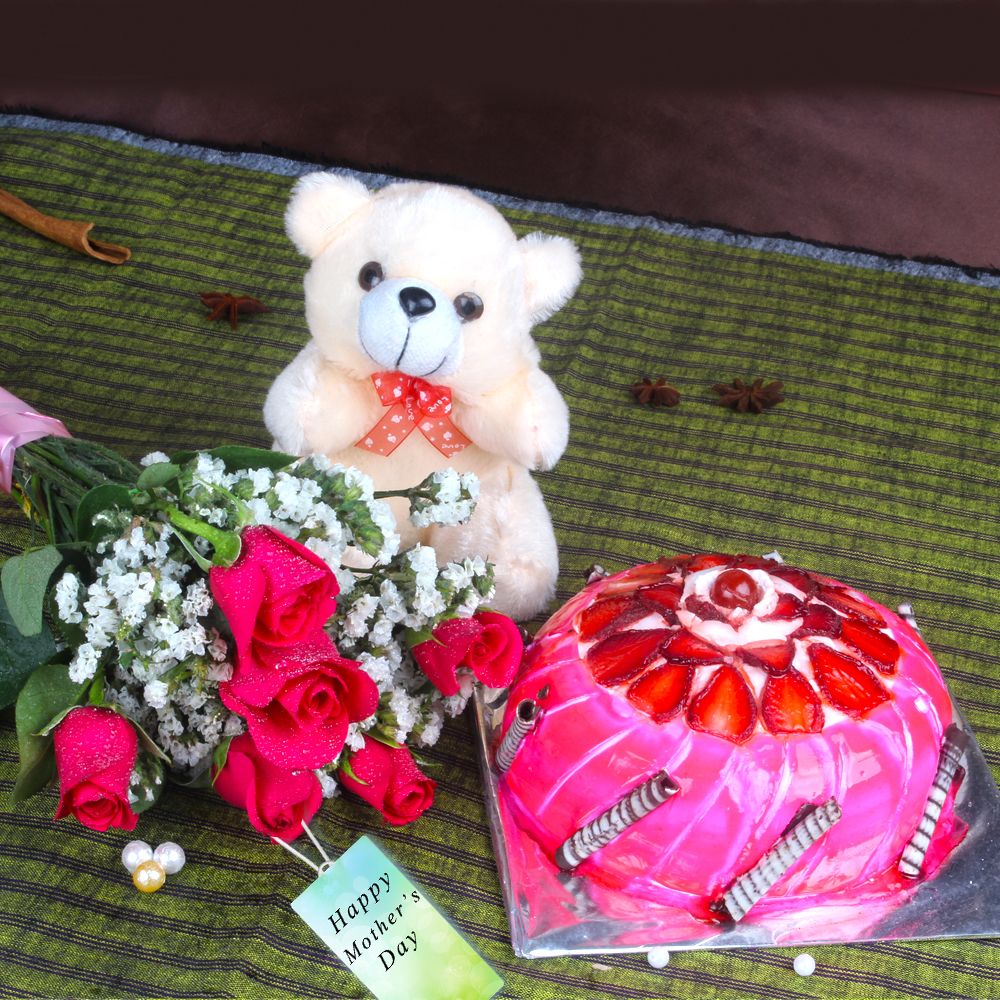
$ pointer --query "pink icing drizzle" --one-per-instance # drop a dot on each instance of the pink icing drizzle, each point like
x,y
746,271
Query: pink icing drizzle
x,y
592,745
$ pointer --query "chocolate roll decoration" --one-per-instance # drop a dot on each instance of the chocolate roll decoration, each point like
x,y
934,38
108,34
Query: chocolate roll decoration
x,y
952,751
599,832
748,889
526,715
906,613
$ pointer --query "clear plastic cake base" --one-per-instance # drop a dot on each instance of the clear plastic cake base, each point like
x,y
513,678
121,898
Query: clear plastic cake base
x,y
554,913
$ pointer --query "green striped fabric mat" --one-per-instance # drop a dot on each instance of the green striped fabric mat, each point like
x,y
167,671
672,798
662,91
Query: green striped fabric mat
x,y
881,468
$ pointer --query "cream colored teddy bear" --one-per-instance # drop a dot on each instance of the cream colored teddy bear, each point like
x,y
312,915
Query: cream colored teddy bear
x,y
415,291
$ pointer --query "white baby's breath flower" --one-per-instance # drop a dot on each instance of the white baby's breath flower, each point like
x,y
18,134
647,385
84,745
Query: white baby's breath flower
x,y
455,704
381,631
378,668
470,484
356,621
428,603
155,694
197,601
208,470
84,664
459,575
170,724
391,601
234,726
67,594
355,737
345,579
328,552
169,591
431,731
321,463
259,511
423,562
220,672
153,458
386,523
218,649
328,784
356,478
406,709
261,478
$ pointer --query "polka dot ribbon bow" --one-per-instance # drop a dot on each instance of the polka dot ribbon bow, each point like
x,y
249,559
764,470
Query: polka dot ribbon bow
x,y
412,403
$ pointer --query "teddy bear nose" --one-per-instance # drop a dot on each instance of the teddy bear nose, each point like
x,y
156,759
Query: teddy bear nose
x,y
416,302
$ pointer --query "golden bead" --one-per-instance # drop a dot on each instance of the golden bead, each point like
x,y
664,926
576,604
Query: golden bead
x,y
149,876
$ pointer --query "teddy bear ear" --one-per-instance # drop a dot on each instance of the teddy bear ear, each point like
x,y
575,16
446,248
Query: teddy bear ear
x,y
319,203
552,269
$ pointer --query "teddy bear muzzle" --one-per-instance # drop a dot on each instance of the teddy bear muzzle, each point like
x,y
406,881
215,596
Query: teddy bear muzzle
x,y
409,326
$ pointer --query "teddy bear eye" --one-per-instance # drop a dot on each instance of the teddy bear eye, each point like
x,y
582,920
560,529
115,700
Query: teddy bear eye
x,y
370,275
469,306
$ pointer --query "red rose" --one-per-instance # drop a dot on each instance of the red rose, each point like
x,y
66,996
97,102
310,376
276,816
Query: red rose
x,y
96,750
394,784
490,645
495,654
276,800
298,702
276,593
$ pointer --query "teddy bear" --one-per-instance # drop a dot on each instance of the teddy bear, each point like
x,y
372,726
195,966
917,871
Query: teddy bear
x,y
420,301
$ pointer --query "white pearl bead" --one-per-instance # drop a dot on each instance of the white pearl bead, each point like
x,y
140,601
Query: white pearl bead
x,y
658,958
804,964
134,853
171,856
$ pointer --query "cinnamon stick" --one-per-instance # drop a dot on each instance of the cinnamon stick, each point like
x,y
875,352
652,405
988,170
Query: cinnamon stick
x,y
65,231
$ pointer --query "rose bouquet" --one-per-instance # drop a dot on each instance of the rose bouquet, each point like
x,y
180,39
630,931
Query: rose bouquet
x,y
234,618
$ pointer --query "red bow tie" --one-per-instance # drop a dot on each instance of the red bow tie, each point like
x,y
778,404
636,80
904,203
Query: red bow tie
x,y
412,403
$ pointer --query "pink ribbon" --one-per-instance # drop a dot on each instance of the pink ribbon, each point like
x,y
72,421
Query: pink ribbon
x,y
19,424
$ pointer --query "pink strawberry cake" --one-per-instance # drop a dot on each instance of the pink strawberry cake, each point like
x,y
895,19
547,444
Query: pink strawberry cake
x,y
761,690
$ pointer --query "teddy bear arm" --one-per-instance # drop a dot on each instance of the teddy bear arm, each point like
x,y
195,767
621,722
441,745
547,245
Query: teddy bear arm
x,y
311,407
526,421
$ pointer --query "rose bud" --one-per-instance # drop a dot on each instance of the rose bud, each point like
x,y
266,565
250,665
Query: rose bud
x,y
96,750
490,645
495,654
299,703
276,800
393,783
276,593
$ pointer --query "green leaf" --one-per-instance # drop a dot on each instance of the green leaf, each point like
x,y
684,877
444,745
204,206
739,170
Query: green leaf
x,y
226,545
107,496
95,696
349,771
148,777
383,739
236,457
200,561
25,579
46,693
20,655
146,741
414,637
157,474
203,779
219,756
54,721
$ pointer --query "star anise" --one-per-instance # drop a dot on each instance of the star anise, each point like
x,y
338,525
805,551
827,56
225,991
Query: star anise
x,y
223,303
658,393
755,398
